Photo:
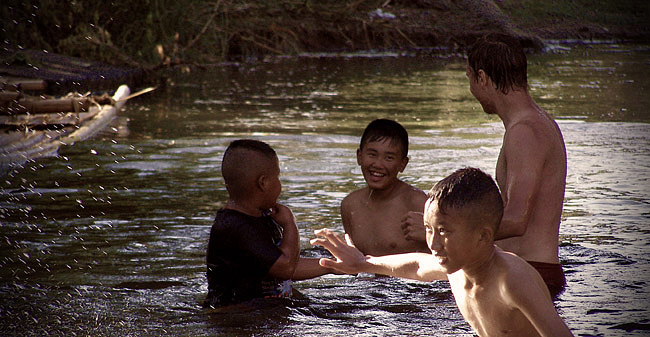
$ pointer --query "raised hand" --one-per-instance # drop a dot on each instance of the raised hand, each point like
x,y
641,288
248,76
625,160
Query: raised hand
x,y
282,215
349,259
413,226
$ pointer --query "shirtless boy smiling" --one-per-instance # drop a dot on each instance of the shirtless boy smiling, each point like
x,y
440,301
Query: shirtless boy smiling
x,y
497,292
385,217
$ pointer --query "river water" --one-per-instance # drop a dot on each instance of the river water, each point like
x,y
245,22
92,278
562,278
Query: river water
x,y
109,238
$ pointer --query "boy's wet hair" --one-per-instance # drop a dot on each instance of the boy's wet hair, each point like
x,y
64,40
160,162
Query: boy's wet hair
x,y
380,129
237,167
471,190
503,60
253,145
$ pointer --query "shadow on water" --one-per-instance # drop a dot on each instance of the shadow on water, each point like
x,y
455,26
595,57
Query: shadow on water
x,y
268,316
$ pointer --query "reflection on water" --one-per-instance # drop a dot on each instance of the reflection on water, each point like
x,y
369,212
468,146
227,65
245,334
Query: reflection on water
x,y
109,238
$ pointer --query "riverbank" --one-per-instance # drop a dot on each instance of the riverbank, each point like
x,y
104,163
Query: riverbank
x,y
161,34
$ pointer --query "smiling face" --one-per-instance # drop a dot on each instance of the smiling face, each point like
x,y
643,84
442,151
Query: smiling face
x,y
381,161
450,236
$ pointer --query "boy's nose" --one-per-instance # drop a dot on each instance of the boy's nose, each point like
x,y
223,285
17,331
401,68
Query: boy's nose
x,y
433,241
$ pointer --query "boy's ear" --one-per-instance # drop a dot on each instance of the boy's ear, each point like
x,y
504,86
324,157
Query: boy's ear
x,y
483,78
261,182
487,235
405,162
359,156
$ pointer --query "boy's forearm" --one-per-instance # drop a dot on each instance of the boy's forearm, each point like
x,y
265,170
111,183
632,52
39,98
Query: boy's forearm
x,y
414,266
309,268
513,224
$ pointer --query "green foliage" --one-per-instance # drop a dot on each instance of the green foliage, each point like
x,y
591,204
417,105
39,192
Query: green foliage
x,y
154,33
619,14
121,31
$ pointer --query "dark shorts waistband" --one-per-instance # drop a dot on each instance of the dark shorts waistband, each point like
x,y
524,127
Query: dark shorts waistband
x,y
553,276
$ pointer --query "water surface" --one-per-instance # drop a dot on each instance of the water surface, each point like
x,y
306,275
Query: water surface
x,y
109,238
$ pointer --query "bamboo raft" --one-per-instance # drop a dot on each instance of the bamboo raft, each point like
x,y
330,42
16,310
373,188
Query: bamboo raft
x,y
36,126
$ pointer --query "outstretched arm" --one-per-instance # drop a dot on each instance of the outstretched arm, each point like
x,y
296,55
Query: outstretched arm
x,y
309,268
349,260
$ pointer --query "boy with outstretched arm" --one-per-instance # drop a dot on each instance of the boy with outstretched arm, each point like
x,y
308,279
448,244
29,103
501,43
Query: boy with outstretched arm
x,y
254,249
498,293
385,217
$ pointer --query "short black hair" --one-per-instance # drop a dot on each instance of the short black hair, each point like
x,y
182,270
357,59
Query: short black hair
x,y
253,145
503,60
238,168
385,128
466,188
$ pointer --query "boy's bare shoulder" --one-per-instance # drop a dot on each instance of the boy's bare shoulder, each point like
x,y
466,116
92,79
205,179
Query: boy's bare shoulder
x,y
513,264
519,277
414,194
355,196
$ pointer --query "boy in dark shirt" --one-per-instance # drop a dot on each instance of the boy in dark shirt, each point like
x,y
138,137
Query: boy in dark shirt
x,y
254,248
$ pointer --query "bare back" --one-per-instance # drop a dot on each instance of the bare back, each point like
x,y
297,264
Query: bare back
x,y
374,225
531,174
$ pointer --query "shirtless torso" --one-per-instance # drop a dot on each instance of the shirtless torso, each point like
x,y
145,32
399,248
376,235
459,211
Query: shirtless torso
x,y
531,172
494,301
374,223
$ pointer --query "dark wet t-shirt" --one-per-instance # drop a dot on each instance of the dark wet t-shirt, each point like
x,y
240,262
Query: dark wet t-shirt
x,y
241,250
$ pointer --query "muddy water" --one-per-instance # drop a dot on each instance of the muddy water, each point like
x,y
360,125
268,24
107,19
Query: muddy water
x,y
109,238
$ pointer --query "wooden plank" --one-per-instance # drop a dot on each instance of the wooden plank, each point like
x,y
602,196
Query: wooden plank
x,y
8,96
23,85
68,118
37,106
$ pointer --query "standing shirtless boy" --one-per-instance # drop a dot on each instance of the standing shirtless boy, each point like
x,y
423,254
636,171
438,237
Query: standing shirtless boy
x,y
532,165
254,248
384,217
498,293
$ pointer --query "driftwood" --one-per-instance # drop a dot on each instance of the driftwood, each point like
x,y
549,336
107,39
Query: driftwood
x,y
45,105
45,119
23,85
20,110
21,144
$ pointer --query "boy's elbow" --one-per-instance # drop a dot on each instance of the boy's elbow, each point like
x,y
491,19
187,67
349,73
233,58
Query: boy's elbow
x,y
512,227
518,228
283,269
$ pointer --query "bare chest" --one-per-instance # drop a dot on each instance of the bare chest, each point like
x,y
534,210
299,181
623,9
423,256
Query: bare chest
x,y
378,230
490,316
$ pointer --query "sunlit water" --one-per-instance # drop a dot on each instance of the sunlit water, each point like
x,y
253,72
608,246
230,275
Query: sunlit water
x,y
110,237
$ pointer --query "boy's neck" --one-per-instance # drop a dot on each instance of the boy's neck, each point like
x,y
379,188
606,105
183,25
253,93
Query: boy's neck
x,y
479,270
383,194
243,207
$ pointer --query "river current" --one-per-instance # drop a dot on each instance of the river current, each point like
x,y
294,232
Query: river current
x,y
109,237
